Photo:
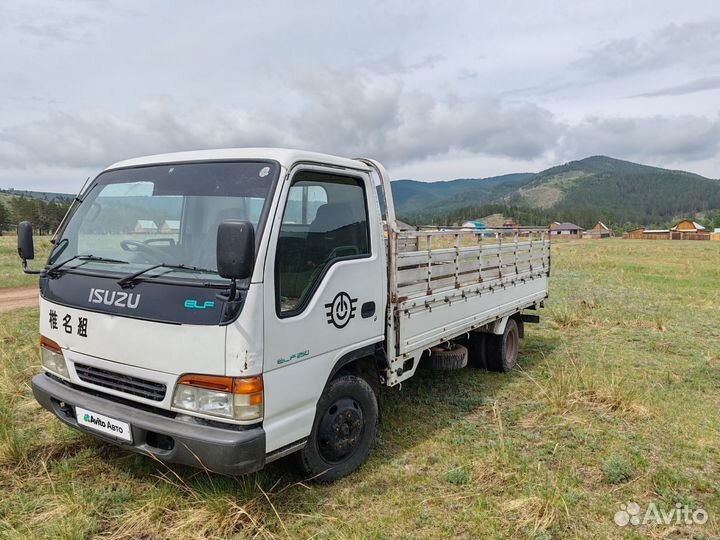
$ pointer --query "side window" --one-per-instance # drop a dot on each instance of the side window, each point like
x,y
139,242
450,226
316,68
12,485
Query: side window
x,y
325,219
303,202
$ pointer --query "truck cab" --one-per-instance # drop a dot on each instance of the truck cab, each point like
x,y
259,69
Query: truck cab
x,y
178,369
226,308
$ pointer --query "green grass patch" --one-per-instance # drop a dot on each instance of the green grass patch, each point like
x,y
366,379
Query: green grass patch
x,y
11,274
615,400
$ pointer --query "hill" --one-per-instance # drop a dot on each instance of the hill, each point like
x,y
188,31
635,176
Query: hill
x,y
412,196
43,195
584,191
620,193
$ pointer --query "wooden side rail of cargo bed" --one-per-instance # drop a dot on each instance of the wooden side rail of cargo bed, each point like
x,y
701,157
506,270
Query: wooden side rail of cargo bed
x,y
453,259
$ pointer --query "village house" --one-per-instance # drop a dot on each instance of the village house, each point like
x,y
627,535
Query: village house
x,y
401,225
473,225
684,230
145,226
600,230
404,244
689,230
170,226
565,229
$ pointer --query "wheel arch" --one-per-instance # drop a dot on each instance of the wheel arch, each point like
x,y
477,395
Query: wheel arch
x,y
499,326
366,362
517,317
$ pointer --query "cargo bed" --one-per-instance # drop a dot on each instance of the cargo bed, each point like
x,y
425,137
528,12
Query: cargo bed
x,y
446,283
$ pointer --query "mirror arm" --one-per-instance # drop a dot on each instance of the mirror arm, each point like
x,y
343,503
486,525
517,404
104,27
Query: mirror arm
x,y
26,270
231,294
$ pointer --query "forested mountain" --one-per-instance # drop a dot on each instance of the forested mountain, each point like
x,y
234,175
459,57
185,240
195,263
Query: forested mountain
x,y
598,188
413,196
620,193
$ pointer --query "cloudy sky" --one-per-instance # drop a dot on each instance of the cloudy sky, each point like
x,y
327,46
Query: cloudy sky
x,y
436,90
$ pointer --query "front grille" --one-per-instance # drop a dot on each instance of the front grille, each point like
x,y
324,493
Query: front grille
x,y
121,383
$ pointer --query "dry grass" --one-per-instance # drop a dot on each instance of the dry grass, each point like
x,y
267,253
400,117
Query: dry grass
x,y
616,399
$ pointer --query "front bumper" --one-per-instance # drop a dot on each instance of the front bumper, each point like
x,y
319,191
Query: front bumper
x,y
173,440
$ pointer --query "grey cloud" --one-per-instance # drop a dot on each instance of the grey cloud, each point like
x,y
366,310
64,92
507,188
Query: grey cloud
x,y
73,29
663,138
345,109
50,23
394,64
348,113
694,43
467,75
353,112
361,112
428,62
96,139
698,85
480,125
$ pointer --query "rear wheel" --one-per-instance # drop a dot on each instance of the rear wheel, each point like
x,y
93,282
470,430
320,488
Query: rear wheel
x,y
343,431
476,350
502,351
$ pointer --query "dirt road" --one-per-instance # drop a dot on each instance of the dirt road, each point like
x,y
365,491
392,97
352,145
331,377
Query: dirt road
x,y
18,297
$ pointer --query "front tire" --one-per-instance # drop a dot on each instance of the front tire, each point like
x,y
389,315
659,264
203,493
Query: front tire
x,y
343,431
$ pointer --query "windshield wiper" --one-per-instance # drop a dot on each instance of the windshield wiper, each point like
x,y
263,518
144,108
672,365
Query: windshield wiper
x,y
129,281
54,271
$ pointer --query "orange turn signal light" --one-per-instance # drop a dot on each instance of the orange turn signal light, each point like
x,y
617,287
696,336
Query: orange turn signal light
x,y
49,344
233,385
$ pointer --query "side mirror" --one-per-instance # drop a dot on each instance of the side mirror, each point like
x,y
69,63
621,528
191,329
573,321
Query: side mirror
x,y
235,249
25,244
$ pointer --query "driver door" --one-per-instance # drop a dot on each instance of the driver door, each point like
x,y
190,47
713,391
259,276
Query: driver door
x,y
324,292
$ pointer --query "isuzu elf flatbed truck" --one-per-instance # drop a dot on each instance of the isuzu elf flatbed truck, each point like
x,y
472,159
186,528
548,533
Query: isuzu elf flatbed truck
x,y
226,308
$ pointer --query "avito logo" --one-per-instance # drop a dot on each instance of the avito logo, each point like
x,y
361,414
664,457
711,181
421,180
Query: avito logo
x,y
90,419
99,422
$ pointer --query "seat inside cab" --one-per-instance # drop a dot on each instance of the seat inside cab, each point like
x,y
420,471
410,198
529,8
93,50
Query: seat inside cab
x,y
325,219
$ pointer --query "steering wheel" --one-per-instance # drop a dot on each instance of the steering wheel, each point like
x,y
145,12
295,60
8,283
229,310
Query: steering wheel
x,y
133,245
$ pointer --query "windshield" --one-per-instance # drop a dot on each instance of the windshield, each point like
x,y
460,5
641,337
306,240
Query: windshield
x,y
134,219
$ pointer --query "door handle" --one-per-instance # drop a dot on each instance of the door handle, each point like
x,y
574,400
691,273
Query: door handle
x,y
367,310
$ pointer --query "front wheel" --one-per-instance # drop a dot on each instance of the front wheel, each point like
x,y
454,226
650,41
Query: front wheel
x,y
343,431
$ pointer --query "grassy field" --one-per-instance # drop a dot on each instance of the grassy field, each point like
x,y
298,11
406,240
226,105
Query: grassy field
x,y
11,274
617,399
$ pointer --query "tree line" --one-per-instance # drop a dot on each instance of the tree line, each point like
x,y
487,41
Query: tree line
x,y
44,215
583,216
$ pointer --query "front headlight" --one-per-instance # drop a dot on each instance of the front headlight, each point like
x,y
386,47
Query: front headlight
x,y
203,400
52,358
227,397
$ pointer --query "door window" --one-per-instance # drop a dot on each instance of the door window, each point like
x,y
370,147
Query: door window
x,y
325,220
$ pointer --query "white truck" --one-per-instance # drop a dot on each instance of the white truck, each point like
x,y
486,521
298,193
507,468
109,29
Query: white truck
x,y
226,308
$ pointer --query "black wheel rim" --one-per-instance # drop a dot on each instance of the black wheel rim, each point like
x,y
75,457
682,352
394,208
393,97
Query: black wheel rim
x,y
340,430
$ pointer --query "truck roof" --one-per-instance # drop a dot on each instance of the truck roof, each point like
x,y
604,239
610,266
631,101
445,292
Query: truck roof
x,y
286,157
